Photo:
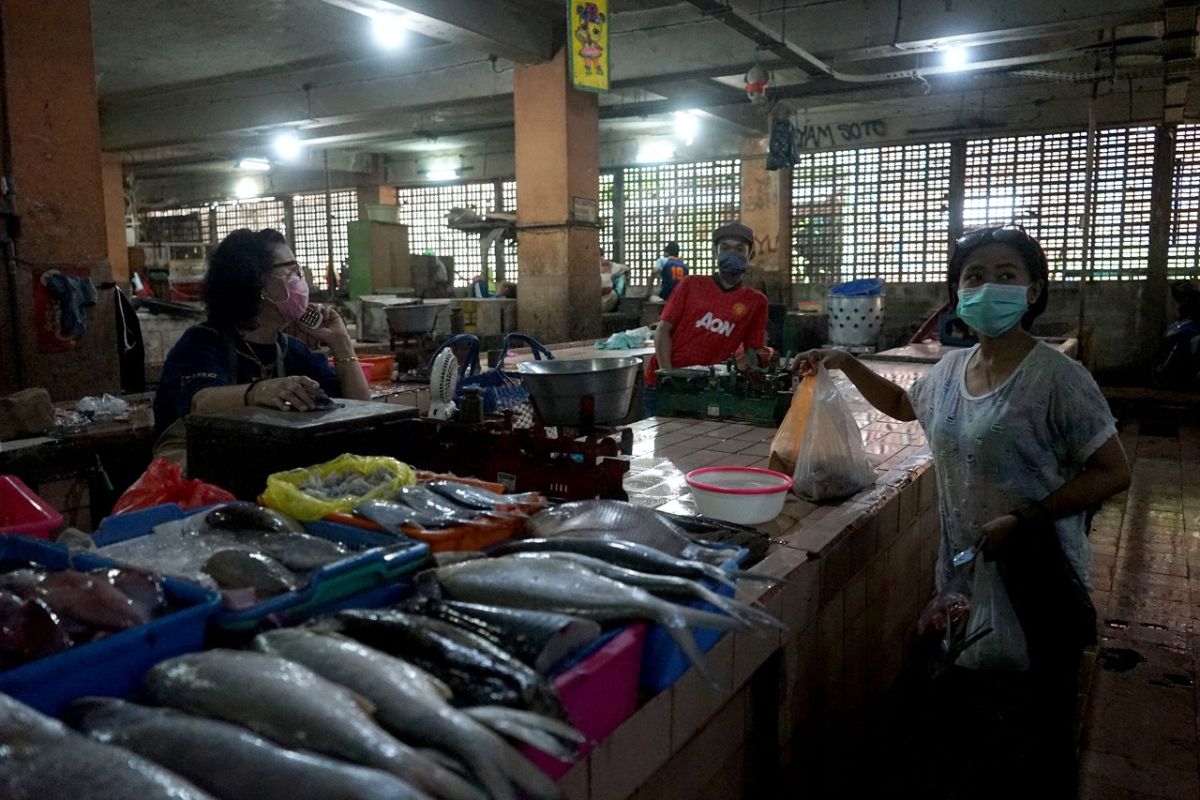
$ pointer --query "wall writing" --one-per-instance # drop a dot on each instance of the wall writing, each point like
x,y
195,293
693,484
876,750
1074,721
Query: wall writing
x,y
816,137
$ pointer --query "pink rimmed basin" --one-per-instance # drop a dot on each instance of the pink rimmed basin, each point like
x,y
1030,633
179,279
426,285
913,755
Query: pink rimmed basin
x,y
746,495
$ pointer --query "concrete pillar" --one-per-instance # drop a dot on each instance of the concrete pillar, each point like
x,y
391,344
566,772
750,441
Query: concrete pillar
x,y
51,151
558,188
1155,297
113,177
767,208
374,196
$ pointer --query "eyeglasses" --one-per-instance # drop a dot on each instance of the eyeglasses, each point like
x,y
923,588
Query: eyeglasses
x,y
998,233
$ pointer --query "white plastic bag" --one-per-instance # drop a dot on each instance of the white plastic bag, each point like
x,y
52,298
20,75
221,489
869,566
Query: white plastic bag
x,y
831,463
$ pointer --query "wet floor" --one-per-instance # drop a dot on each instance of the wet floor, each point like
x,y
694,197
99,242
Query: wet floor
x,y
1140,712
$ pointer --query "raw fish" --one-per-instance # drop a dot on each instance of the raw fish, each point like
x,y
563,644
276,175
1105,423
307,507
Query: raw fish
x,y
539,638
146,591
237,569
617,519
294,707
243,517
554,585
482,499
477,671
230,761
20,724
301,551
29,630
409,706
90,600
536,730
392,516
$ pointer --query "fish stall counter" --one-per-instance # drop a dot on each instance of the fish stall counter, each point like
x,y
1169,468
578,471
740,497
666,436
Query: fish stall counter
x,y
852,576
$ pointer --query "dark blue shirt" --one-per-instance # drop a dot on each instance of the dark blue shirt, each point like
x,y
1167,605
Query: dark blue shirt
x,y
204,358
673,270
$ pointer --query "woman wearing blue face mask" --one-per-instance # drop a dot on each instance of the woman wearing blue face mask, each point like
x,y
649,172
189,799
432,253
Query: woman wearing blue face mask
x,y
1024,445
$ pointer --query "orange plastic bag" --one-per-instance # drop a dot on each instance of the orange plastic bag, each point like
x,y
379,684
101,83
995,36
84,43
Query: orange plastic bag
x,y
163,482
785,447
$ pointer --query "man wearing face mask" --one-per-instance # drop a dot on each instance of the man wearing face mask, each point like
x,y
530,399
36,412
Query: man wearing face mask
x,y
253,288
709,318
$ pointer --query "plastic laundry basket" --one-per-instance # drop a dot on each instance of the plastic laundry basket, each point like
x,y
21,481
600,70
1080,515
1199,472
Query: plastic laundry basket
x,y
855,321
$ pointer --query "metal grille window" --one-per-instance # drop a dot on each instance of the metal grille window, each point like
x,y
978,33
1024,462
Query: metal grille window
x,y
608,238
424,208
508,191
310,237
176,225
1183,255
676,202
1039,182
875,212
255,214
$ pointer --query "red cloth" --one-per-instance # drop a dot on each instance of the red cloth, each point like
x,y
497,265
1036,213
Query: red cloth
x,y
709,323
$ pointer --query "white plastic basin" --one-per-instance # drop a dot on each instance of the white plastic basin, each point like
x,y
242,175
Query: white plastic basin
x,y
745,495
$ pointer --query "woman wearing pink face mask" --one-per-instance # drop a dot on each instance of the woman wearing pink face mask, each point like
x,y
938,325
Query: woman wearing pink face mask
x,y
254,288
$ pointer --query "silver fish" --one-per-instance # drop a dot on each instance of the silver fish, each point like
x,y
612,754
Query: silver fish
x,y
555,585
617,519
407,705
20,724
237,569
482,499
667,586
536,730
243,517
393,516
301,551
230,761
293,706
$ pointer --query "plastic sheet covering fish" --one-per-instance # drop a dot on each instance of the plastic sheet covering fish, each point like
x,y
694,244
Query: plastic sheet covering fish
x,y
294,707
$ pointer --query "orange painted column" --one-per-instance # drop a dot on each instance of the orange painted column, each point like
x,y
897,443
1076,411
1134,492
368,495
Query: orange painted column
x,y
558,188
50,146
767,209
113,176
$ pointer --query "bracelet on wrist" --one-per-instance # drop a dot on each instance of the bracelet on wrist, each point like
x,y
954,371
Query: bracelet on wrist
x,y
250,388
341,359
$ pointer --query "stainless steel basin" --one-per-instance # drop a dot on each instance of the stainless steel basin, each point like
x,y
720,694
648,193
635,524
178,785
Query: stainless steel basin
x,y
558,388
413,318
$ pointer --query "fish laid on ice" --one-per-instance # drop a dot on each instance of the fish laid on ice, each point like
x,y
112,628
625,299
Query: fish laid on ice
x,y
89,599
668,587
392,516
539,638
293,706
434,505
409,706
301,551
625,554
146,591
238,569
29,629
617,519
40,759
477,671
244,517
558,585
229,761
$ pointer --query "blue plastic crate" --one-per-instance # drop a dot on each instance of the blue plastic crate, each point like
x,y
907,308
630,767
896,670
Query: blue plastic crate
x,y
379,561
663,662
114,665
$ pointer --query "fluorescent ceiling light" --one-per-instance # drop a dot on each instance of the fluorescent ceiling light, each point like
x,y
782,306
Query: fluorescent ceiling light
x,y
442,174
955,57
389,30
287,145
686,125
247,187
654,151
254,164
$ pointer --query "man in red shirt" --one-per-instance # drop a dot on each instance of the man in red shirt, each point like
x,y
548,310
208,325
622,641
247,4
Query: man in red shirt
x,y
709,318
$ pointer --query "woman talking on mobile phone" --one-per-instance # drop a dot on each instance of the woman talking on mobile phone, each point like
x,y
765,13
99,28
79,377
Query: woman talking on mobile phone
x,y
239,356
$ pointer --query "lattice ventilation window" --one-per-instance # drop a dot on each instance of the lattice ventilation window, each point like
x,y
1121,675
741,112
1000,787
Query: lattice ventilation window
x,y
310,238
676,202
424,208
508,192
175,225
875,212
1039,182
608,238
1183,255
255,215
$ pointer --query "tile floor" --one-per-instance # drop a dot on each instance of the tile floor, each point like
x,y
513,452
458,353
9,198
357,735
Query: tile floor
x,y
1141,719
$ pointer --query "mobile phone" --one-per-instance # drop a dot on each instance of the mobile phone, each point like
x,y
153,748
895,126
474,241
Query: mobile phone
x,y
311,318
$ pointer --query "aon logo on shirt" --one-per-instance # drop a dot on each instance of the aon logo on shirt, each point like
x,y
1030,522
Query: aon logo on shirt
x,y
715,324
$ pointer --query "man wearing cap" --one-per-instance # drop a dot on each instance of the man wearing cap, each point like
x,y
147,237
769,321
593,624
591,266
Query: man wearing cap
x,y
711,317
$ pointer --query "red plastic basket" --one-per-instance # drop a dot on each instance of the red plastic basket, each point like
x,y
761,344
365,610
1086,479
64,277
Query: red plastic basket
x,y
23,512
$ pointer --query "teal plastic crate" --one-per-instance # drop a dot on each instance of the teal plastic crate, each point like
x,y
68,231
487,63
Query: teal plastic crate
x,y
379,559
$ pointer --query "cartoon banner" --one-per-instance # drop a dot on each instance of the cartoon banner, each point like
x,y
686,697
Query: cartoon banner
x,y
588,37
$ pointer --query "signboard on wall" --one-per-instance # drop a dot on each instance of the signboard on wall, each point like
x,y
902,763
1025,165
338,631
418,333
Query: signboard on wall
x,y
587,34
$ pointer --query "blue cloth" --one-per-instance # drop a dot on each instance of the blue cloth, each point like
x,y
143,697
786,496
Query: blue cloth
x,y
74,295
672,270
203,358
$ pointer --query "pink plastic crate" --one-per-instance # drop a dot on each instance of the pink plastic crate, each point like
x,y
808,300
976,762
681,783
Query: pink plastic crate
x,y
599,693
23,512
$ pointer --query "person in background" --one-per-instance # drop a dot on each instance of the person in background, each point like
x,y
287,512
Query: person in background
x,y
1024,445
711,317
479,287
507,289
612,284
670,269
239,356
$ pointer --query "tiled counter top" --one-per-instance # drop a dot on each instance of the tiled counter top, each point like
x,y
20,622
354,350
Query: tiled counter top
x,y
853,578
